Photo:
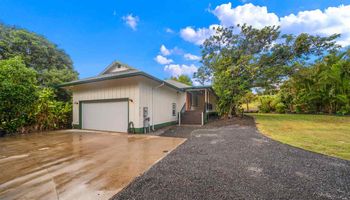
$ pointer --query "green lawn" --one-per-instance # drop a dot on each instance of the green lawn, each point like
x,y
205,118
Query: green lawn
x,y
324,134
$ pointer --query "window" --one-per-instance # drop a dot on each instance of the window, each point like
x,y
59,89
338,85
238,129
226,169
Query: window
x,y
174,109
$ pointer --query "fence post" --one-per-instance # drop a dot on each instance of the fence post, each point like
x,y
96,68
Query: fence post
x,y
179,118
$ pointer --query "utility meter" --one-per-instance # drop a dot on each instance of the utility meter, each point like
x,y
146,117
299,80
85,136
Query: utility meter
x,y
145,112
146,120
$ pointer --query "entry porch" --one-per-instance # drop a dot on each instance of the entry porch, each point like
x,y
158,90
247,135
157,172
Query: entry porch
x,y
200,103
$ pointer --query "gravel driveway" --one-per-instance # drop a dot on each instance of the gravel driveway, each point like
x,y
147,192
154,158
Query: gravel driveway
x,y
234,161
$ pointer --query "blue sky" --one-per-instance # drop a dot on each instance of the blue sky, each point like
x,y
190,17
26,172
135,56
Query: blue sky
x,y
94,33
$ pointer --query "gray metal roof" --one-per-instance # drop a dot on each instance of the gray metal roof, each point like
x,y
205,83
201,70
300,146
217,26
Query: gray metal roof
x,y
130,72
177,84
122,74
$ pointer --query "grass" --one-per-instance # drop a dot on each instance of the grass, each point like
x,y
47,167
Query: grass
x,y
329,135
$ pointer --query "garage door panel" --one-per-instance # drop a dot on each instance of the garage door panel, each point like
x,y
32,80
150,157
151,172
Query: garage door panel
x,y
107,116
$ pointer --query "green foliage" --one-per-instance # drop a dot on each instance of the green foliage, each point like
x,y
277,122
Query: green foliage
x,y
280,107
203,75
53,65
233,65
267,103
30,67
50,113
18,86
236,62
183,79
321,88
271,103
248,98
24,106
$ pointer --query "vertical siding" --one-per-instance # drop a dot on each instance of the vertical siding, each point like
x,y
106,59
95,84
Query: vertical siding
x,y
163,98
140,91
113,89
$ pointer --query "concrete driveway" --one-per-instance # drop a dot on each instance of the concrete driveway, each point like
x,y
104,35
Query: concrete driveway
x,y
76,164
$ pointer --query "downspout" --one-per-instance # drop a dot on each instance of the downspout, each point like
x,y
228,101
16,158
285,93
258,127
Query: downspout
x,y
153,104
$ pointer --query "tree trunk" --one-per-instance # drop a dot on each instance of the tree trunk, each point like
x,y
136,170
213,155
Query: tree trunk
x,y
232,110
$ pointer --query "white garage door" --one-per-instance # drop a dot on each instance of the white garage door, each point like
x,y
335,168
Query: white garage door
x,y
105,116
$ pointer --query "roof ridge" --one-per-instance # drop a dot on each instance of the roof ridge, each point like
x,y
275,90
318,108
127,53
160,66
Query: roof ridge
x,y
113,64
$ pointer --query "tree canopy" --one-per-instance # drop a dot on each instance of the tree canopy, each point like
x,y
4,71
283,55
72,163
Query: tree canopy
x,y
323,87
52,64
183,79
18,86
237,59
30,67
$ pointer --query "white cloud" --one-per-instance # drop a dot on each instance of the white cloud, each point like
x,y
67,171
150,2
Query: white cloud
x,y
169,30
321,22
177,70
189,56
163,60
164,51
131,21
176,50
257,16
197,36
331,20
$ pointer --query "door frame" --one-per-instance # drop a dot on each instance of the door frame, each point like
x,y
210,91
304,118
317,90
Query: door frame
x,y
100,101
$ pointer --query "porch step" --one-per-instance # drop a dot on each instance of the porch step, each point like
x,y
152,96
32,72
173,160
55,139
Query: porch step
x,y
191,117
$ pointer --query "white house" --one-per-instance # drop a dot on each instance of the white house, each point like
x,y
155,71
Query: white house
x,y
124,99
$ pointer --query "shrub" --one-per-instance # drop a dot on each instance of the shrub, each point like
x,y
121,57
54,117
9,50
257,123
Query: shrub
x,y
280,107
344,110
18,86
23,106
298,109
50,113
266,103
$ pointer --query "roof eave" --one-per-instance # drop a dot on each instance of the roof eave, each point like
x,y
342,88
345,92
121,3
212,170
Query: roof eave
x,y
139,73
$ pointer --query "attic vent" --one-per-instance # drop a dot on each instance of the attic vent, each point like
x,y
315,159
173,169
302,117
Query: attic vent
x,y
116,67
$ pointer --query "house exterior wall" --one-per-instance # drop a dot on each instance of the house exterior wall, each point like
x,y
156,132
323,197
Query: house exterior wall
x,y
160,111
139,92
111,89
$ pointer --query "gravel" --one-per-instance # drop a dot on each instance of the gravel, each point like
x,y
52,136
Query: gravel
x,y
232,160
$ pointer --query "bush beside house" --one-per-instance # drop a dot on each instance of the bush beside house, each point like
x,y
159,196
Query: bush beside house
x,y
30,67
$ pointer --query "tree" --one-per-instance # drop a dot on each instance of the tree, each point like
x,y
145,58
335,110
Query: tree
x,y
237,61
231,59
183,79
322,87
248,98
52,65
203,75
18,94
